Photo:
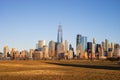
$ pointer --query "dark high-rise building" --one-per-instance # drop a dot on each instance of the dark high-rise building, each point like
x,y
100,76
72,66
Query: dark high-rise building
x,y
89,47
78,39
59,36
97,46
71,48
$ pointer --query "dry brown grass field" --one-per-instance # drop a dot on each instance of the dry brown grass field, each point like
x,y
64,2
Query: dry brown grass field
x,y
59,70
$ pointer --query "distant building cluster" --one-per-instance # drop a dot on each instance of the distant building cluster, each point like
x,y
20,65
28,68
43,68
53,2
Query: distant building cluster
x,y
63,50
92,50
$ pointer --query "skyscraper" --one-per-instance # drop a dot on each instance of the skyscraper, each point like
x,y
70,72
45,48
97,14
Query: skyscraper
x,y
45,52
12,53
84,43
78,40
103,45
106,47
71,48
89,49
94,41
66,45
94,46
60,51
52,49
6,51
78,45
81,40
59,36
116,50
41,43
81,45
31,54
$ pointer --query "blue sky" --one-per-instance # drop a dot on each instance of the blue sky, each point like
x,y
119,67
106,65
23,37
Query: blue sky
x,y
24,22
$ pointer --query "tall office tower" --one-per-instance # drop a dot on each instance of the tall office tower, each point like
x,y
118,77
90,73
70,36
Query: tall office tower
x,y
84,43
101,52
97,50
89,49
94,41
70,47
56,48
52,49
66,45
45,52
78,45
60,35
78,50
6,51
78,39
81,52
12,53
97,46
106,47
109,50
112,46
31,54
41,43
94,46
60,51
116,50
103,45
70,54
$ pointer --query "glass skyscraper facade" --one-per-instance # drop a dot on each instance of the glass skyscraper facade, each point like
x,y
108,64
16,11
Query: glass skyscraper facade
x,y
60,35
82,40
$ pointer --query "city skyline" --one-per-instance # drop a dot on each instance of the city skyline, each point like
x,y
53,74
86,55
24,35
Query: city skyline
x,y
25,22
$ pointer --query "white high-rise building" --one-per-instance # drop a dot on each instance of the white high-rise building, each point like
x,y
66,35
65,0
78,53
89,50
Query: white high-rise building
x,y
66,45
12,53
52,49
70,54
41,43
6,51
45,52
31,53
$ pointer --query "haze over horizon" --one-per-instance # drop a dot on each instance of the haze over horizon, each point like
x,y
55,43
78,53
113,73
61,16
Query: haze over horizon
x,y
24,22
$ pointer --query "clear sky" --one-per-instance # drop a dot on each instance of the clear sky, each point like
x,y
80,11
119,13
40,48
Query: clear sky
x,y
24,22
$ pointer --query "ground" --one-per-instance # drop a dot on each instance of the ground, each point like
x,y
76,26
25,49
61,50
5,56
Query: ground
x,y
59,70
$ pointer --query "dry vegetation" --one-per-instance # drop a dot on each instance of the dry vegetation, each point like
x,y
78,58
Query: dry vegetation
x,y
59,70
